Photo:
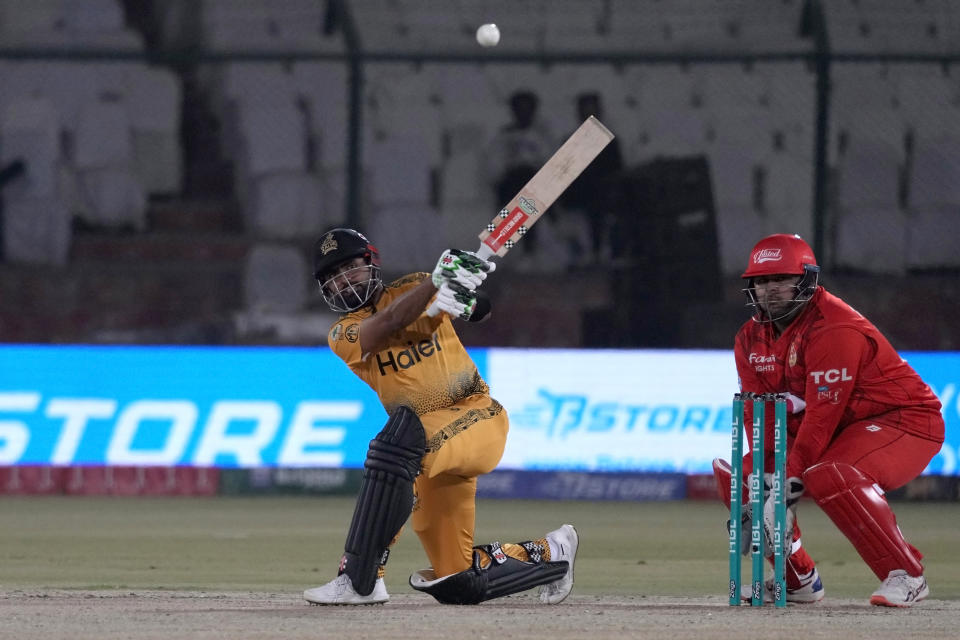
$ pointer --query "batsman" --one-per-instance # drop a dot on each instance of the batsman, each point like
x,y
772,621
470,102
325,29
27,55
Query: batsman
x,y
860,420
443,431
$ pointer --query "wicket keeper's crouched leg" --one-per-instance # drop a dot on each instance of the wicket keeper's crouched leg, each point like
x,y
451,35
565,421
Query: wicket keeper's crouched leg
x,y
803,580
463,442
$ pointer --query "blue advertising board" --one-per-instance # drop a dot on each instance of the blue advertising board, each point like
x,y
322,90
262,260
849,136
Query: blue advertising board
x,y
572,410
229,407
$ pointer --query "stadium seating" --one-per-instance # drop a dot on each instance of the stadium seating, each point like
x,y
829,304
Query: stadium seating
x,y
109,139
154,97
322,88
114,125
36,224
934,203
275,278
886,26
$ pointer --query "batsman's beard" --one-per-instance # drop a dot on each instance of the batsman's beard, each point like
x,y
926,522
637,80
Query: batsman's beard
x,y
344,295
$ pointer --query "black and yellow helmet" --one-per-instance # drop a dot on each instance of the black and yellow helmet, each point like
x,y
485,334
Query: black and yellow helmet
x,y
335,248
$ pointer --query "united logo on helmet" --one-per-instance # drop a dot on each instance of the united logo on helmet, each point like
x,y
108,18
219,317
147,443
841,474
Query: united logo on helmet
x,y
766,255
780,253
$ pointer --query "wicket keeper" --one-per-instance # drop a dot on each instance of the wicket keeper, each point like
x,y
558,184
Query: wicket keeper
x,y
860,420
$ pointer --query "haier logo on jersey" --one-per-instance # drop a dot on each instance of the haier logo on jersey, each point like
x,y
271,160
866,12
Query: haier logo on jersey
x,y
830,376
408,357
763,363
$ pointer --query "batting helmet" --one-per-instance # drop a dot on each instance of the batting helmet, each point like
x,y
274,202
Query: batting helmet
x,y
782,254
345,293
779,253
337,246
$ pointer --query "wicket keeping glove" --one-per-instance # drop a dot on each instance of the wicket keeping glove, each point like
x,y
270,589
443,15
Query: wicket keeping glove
x,y
462,267
746,518
456,300
793,490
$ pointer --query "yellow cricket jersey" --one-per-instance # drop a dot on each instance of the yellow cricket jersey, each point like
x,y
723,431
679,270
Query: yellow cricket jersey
x,y
424,366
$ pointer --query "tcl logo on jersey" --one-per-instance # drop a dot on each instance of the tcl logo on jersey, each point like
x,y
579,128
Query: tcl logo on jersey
x,y
830,376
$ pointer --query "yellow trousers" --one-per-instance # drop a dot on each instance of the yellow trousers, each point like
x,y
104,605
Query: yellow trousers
x,y
463,441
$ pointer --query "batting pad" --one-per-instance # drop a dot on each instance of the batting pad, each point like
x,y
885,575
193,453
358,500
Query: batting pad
x,y
386,497
851,501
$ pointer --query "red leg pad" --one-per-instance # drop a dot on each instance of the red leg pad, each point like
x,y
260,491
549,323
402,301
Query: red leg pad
x,y
862,514
721,472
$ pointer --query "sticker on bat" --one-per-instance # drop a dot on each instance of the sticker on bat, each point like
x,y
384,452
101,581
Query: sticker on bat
x,y
505,229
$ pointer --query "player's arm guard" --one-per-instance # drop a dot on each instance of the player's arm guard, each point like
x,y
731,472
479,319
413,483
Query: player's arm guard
x,y
386,497
503,576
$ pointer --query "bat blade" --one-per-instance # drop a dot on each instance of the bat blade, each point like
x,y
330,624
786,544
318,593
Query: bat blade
x,y
543,189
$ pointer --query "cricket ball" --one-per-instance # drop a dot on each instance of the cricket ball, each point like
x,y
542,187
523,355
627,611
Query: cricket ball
x,y
488,35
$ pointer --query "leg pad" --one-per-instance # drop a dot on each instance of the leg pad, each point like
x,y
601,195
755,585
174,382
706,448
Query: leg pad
x,y
860,511
721,473
386,497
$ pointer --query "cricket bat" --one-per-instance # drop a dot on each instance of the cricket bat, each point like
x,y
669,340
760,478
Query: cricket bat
x,y
542,190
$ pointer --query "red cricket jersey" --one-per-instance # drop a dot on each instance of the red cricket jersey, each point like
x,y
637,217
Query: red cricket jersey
x,y
843,368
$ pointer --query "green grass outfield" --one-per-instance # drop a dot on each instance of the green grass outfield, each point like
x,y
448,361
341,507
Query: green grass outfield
x,y
286,544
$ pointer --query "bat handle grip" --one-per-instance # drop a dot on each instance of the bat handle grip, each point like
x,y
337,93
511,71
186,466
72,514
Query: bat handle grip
x,y
484,253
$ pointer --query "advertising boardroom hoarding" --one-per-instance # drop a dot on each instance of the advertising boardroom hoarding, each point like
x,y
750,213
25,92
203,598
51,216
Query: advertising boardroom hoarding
x,y
587,410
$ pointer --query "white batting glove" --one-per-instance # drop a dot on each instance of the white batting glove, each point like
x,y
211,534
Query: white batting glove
x,y
456,300
794,490
462,267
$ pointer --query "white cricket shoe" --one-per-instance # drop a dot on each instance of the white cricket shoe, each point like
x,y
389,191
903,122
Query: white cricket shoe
x,y
900,590
810,590
340,591
565,542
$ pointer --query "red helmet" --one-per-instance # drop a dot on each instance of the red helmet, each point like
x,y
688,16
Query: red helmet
x,y
780,253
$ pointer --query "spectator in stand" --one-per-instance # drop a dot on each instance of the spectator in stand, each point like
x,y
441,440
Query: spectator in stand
x,y
592,196
517,152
